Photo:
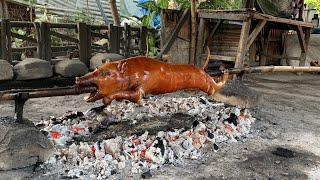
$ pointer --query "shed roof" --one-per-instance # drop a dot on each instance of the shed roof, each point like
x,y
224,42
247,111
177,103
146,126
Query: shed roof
x,y
71,7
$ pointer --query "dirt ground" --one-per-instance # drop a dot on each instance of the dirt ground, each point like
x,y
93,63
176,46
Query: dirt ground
x,y
288,116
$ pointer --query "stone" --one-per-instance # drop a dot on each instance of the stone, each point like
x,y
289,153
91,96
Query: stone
x,y
33,68
237,94
101,58
71,68
6,72
22,144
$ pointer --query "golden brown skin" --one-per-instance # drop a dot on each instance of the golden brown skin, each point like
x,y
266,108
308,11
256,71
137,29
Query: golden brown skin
x,y
135,77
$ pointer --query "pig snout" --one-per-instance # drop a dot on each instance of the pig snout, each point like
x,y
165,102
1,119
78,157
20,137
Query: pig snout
x,y
82,81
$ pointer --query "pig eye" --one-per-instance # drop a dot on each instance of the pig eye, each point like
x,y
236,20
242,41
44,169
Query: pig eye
x,y
105,73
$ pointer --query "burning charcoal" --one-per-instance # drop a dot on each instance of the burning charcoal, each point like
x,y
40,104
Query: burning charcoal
x,y
146,175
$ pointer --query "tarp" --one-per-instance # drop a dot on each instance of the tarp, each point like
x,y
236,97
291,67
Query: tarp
x,y
278,8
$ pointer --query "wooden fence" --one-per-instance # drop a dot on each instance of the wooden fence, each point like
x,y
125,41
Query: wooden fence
x,y
128,41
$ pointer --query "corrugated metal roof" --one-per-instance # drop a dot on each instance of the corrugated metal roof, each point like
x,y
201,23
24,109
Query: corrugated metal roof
x,y
71,7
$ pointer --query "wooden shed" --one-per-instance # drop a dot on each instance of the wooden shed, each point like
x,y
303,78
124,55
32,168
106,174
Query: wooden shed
x,y
244,37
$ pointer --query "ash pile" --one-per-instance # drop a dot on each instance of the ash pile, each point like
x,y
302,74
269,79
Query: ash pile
x,y
87,145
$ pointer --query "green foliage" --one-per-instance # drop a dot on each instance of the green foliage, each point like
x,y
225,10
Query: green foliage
x,y
314,3
18,42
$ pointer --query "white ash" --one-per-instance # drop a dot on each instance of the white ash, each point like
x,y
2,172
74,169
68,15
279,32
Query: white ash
x,y
214,123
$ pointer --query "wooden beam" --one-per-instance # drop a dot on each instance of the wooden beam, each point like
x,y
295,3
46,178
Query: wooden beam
x,y
9,44
220,57
236,16
172,37
255,32
198,60
304,54
64,37
114,11
281,20
193,37
143,40
301,39
214,30
242,48
4,51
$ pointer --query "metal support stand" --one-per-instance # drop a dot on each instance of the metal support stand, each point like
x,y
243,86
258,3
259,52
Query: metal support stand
x,y
20,100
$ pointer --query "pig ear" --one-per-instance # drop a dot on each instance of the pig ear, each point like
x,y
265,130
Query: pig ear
x,y
122,66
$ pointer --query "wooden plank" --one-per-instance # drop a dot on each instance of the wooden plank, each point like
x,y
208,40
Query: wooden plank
x,y
243,16
63,25
304,54
4,52
255,32
21,49
21,24
63,48
89,41
199,50
281,20
172,37
210,37
143,40
112,38
281,56
64,37
220,57
242,48
83,43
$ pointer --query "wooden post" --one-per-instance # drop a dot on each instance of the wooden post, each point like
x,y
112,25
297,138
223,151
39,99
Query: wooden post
x,y
305,51
143,40
127,40
255,33
242,48
45,34
4,52
265,46
198,60
114,39
114,11
38,37
89,51
301,10
9,48
83,43
193,32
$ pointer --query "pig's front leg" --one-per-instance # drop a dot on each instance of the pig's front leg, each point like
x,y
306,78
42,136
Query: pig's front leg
x,y
134,96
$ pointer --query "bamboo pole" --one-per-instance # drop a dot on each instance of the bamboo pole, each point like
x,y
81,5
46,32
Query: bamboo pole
x,y
114,11
46,92
268,69
193,32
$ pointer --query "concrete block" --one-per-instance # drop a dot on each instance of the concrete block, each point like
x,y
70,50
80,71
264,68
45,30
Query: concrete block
x,y
101,58
237,94
22,145
33,68
71,68
6,72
